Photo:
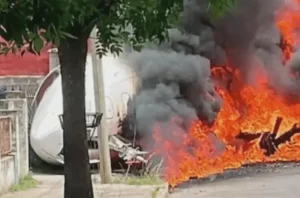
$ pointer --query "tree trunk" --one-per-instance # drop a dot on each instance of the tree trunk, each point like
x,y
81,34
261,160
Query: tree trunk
x,y
72,55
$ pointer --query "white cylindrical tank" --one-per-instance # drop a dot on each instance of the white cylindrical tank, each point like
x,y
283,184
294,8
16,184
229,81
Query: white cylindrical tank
x,y
46,135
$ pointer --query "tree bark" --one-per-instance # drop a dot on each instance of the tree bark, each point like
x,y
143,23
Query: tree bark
x,y
72,55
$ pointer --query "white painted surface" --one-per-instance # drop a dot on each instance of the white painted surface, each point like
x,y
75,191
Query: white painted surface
x,y
46,133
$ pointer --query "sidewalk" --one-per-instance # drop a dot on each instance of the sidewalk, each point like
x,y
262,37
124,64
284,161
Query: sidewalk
x,y
52,187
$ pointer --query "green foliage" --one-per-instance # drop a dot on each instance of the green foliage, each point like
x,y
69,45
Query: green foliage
x,y
218,8
143,180
135,22
38,22
24,184
22,22
154,192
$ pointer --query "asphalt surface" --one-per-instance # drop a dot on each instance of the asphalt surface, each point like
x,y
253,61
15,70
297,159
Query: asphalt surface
x,y
278,184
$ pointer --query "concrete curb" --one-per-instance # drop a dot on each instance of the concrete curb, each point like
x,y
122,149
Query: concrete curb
x,y
163,192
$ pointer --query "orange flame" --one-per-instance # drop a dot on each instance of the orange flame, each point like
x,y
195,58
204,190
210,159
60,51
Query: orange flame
x,y
251,109
193,156
288,23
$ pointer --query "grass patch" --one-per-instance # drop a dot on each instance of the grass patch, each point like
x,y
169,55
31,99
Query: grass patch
x,y
154,192
25,183
151,176
143,180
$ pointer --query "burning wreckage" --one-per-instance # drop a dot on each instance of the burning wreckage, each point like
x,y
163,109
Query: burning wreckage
x,y
225,94
219,95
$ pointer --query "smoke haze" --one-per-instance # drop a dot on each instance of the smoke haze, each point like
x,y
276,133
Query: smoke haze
x,y
175,78
175,89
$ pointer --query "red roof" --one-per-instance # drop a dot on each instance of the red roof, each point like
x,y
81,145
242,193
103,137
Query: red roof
x,y
28,65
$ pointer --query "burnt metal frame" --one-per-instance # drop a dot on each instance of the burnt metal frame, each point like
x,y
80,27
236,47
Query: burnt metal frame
x,y
96,120
93,125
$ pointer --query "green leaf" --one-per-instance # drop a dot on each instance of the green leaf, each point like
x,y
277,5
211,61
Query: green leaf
x,y
125,35
38,44
57,41
31,36
118,22
68,35
4,51
137,47
30,49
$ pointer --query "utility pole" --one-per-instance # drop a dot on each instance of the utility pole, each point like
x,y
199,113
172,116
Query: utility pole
x,y
102,129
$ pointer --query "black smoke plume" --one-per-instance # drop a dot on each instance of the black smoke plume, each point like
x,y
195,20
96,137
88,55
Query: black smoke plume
x,y
175,79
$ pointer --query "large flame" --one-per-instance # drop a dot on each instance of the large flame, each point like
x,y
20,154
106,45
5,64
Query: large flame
x,y
246,108
288,22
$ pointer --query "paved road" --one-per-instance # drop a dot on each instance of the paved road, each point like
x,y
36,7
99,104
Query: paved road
x,y
283,184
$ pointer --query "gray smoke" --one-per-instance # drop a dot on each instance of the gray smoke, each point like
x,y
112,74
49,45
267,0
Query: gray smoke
x,y
248,39
175,89
175,82
196,21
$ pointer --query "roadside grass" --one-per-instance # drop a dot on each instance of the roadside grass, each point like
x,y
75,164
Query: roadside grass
x,y
25,183
155,191
151,177
142,180
151,180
